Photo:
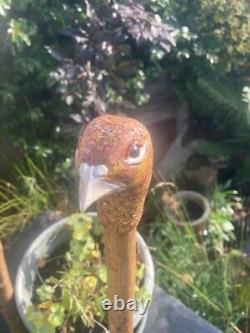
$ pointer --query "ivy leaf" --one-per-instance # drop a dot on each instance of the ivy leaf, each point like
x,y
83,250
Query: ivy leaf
x,y
56,316
45,293
40,323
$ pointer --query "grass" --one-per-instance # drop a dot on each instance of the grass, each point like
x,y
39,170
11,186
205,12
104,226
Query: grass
x,y
209,274
31,193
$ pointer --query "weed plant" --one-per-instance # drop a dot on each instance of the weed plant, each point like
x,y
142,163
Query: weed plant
x,y
70,297
208,272
31,193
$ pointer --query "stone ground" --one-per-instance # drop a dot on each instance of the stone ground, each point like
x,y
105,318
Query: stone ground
x,y
167,314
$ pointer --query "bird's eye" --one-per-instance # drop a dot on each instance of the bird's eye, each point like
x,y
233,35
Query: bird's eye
x,y
136,153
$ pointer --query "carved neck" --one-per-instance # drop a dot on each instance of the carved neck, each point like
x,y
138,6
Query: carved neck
x,y
122,210
120,215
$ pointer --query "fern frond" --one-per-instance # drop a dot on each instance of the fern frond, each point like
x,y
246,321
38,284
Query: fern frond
x,y
213,149
220,102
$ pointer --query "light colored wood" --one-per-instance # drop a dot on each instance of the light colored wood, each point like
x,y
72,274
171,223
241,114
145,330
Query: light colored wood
x,y
121,262
120,250
107,140
6,289
7,302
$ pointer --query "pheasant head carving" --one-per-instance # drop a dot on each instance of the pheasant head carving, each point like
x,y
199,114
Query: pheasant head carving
x,y
114,160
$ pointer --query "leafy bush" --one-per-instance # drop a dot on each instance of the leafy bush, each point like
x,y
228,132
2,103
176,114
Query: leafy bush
x,y
106,63
223,126
210,65
211,34
30,114
103,54
96,48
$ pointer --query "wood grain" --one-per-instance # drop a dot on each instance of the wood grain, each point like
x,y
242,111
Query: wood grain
x,y
107,140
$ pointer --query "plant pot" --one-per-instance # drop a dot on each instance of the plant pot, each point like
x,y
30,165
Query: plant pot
x,y
44,245
3,325
198,220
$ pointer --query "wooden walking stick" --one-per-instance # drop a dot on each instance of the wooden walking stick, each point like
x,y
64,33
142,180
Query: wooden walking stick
x,y
7,302
114,160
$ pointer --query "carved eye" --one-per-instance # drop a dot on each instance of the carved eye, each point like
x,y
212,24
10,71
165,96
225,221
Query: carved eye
x,y
136,153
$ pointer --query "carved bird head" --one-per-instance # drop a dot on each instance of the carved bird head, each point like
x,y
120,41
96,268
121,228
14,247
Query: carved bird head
x,y
114,154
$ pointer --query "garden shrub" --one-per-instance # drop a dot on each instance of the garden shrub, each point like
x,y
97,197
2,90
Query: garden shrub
x,y
209,32
100,53
30,113
89,49
210,67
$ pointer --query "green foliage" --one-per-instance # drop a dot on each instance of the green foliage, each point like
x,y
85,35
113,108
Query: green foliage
x,y
223,120
221,228
29,112
86,51
80,287
32,194
4,7
210,66
101,53
227,137
210,32
110,41
221,103
72,295
203,274
233,152
21,32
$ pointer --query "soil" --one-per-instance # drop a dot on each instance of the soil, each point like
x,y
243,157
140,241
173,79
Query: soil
x,y
48,267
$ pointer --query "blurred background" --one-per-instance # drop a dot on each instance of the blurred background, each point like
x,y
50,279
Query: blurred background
x,y
183,69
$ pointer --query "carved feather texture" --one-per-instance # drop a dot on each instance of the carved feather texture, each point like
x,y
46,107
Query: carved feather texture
x,y
107,140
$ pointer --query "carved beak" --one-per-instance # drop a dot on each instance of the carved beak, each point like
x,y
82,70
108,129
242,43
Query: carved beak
x,y
93,184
